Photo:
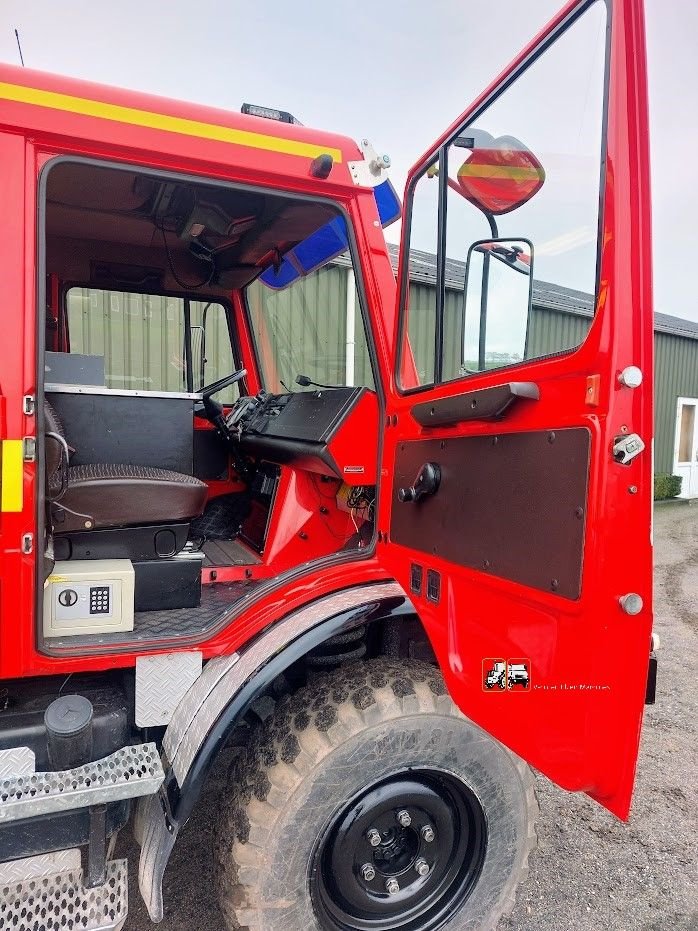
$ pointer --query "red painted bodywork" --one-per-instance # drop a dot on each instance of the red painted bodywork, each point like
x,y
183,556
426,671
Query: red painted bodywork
x,y
582,739
587,736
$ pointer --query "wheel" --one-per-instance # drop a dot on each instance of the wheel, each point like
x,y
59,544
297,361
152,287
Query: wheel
x,y
367,802
502,682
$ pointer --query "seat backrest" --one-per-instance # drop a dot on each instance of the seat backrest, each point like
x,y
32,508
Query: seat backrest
x,y
54,451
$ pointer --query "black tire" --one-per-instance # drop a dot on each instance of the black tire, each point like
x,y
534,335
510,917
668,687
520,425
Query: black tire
x,y
345,732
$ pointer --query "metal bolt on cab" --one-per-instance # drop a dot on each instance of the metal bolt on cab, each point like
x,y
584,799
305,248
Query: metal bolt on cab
x,y
258,493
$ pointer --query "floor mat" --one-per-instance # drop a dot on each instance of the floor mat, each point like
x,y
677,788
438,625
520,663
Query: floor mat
x,y
228,553
216,602
222,518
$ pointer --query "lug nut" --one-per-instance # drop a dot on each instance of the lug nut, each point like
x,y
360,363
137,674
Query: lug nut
x,y
421,866
428,833
367,872
392,887
373,837
404,818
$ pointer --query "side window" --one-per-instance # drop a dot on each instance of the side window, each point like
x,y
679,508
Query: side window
x,y
507,218
313,327
142,341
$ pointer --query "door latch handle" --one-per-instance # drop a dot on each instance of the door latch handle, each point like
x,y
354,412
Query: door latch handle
x,y
625,448
426,483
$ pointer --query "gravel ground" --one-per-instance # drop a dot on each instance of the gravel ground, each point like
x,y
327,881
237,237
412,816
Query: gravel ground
x,y
591,871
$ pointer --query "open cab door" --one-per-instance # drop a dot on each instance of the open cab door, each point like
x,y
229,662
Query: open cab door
x,y
520,422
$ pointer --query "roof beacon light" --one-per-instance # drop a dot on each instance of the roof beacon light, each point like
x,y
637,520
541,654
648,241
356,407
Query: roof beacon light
x,y
269,113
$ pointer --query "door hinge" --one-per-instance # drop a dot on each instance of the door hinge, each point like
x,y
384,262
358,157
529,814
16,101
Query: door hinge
x,y
29,405
29,448
27,543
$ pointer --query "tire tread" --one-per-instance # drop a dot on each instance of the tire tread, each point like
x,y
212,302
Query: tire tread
x,y
296,737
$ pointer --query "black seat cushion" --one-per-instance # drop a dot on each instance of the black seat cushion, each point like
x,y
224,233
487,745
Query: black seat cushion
x,y
104,495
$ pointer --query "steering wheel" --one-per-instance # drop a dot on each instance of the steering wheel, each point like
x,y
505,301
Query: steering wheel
x,y
209,390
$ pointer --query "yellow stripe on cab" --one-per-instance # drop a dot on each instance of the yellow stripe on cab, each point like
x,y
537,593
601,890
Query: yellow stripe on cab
x,y
12,476
52,100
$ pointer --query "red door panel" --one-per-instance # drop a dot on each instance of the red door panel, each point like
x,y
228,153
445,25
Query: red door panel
x,y
520,508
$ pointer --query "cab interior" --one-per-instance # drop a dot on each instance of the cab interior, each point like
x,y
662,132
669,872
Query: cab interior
x,y
182,471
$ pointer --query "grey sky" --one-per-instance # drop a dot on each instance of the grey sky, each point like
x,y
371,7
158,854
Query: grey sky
x,y
397,73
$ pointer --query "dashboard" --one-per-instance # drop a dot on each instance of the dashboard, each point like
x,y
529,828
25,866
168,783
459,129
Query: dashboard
x,y
332,431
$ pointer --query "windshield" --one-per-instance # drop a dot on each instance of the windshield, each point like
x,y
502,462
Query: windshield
x,y
312,327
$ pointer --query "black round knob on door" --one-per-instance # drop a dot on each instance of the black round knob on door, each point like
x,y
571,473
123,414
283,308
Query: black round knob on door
x,y
426,483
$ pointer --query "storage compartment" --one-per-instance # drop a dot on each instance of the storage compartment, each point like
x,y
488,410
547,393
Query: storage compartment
x,y
162,584
89,596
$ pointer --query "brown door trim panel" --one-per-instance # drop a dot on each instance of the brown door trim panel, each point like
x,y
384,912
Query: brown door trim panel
x,y
510,504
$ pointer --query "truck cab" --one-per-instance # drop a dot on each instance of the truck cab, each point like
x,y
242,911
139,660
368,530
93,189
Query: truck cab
x,y
497,675
263,487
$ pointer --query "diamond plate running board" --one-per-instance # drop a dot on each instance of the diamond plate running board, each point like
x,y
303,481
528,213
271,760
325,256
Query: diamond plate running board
x,y
60,902
129,773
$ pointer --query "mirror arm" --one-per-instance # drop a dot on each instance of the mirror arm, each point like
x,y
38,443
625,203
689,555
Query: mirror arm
x,y
484,289
484,294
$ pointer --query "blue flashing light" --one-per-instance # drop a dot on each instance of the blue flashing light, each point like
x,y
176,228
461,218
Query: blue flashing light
x,y
327,242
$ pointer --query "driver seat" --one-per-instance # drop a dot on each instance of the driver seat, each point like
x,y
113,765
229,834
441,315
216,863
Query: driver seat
x,y
104,495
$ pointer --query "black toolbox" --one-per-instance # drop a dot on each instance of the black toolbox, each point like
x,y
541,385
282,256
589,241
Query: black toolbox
x,y
174,582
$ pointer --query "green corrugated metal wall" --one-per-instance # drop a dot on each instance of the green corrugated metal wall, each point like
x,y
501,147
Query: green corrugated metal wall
x,y
311,319
307,327
141,337
421,327
553,331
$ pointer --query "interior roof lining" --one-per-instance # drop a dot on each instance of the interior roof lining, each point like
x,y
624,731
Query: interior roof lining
x,y
95,204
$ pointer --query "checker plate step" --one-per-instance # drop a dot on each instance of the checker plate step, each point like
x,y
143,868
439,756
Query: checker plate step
x,y
129,773
60,902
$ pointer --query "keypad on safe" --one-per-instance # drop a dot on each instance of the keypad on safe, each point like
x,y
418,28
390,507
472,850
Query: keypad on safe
x,y
99,599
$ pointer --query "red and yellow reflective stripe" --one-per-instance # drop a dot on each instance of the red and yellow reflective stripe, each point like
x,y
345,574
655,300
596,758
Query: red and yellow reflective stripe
x,y
510,172
11,475
116,113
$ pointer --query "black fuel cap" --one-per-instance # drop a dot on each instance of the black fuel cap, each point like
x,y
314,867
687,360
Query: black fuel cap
x,y
68,715
68,722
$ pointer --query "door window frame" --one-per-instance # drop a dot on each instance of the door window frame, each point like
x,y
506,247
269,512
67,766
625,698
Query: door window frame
x,y
438,153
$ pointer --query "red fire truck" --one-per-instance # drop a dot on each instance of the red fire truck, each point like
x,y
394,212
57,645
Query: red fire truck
x,y
217,528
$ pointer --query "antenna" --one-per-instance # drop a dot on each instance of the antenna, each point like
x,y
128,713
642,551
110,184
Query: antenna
x,y
19,46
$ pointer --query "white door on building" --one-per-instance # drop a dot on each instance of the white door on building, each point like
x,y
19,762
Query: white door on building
x,y
686,446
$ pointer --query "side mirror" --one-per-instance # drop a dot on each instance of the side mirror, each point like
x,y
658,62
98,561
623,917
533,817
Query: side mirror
x,y
500,174
496,304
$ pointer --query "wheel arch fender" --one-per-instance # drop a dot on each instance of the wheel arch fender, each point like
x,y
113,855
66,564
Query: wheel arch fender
x,y
219,698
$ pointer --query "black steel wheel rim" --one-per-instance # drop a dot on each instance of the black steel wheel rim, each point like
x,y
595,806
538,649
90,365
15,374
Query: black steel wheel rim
x,y
400,855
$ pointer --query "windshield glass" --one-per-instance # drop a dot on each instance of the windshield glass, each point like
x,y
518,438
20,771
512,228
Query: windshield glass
x,y
312,327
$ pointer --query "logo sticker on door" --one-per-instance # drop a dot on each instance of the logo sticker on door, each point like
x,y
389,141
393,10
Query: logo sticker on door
x,y
506,675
